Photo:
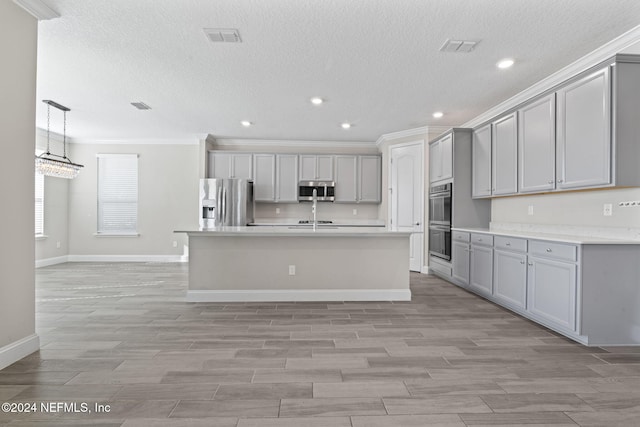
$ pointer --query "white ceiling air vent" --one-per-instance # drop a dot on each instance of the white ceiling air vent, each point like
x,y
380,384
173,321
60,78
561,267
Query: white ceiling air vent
x,y
223,35
459,46
141,105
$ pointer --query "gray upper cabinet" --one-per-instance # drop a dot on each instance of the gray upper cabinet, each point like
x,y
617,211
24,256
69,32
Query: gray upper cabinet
x,y
481,162
537,145
504,156
441,159
584,133
358,178
369,179
316,167
230,165
264,177
346,178
286,178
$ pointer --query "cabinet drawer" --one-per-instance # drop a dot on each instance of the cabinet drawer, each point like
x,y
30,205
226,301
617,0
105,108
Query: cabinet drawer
x,y
482,239
461,236
554,250
510,243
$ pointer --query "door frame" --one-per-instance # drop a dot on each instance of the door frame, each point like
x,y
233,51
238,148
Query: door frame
x,y
425,166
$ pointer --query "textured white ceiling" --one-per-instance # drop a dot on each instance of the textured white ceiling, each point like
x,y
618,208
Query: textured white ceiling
x,y
376,62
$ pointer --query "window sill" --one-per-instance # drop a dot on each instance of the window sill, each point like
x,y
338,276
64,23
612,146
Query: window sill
x,y
41,237
116,234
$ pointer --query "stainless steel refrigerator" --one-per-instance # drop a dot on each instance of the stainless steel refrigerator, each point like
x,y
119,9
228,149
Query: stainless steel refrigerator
x,y
226,202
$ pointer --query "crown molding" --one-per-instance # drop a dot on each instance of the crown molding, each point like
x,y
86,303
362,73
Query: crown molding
x,y
439,130
189,141
601,54
290,143
421,131
38,9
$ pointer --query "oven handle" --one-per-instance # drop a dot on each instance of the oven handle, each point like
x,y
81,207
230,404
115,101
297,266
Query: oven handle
x,y
440,227
440,195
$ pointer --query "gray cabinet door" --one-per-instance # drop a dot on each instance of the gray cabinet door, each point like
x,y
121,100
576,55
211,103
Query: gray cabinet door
x,y
584,132
435,165
552,289
510,278
504,160
481,271
369,179
264,177
481,162
446,157
346,179
219,165
460,263
324,168
287,178
241,166
537,145
308,167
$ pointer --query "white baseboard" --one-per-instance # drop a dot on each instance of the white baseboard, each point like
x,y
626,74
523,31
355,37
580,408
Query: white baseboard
x,y
15,351
425,269
288,295
51,261
128,258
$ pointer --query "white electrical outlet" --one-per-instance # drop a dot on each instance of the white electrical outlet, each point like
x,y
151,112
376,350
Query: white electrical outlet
x,y
355,211
292,270
607,209
175,244
277,211
530,210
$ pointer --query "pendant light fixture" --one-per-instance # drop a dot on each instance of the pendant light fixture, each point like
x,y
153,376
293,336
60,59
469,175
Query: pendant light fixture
x,y
45,163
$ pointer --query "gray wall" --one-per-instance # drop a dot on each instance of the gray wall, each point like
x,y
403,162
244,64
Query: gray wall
x,y
18,44
168,177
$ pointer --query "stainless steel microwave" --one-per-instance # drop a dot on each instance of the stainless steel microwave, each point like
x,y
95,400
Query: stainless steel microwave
x,y
325,191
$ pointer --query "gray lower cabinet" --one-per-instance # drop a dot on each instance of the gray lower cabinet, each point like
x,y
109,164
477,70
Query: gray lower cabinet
x,y
510,278
460,252
481,268
552,287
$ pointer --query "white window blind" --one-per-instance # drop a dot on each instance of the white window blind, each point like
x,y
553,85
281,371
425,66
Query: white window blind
x,y
39,192
118,193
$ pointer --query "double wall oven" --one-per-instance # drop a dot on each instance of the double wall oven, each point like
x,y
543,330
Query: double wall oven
x,y
440,221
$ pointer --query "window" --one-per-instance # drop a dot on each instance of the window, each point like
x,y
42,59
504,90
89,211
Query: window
x,y
118,194
39,192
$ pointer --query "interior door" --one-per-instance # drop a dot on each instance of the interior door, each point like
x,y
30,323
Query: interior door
x,y
407,197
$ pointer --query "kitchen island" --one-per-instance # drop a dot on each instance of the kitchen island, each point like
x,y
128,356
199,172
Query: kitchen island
x,y
298,263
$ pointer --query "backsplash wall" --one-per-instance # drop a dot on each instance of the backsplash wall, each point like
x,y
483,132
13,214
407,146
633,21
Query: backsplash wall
x,y
326,211
583,209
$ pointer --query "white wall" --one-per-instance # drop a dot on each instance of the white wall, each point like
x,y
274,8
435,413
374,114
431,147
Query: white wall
x,y
168,177
583,209
56,209
18,44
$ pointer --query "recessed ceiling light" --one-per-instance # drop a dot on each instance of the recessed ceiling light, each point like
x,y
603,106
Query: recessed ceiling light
x,y
345,125
246,123
438,114
505,63
316,100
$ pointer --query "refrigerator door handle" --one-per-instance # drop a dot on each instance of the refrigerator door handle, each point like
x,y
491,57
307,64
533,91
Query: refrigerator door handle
x,y
224,206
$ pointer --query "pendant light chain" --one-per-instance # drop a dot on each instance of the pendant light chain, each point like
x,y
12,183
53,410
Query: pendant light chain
x,y
64,136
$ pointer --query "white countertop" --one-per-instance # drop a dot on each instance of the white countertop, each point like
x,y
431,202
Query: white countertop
x,y
297,231
551,237
335,222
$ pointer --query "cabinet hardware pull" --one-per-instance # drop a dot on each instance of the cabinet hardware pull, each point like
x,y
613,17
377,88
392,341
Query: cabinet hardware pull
x,y
560,180
550,182
521,262
508,244
548,249
531,264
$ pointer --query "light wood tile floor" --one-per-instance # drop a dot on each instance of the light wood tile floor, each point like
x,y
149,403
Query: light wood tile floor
x,y
121,335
